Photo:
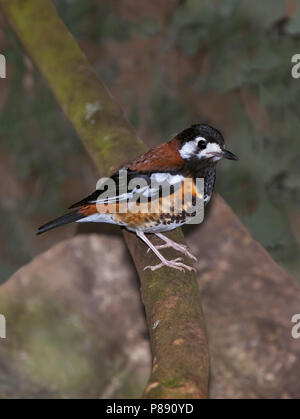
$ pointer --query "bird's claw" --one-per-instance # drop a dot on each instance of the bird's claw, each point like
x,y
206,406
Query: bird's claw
x,y
178,247
175,264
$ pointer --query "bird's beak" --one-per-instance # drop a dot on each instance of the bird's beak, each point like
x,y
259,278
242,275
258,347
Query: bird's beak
x,y
228,155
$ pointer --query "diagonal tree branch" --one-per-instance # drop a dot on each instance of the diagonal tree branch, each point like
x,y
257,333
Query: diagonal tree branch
x,y
172,300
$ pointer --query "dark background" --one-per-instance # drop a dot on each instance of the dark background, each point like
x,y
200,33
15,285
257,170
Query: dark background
x,y
75,321
168,64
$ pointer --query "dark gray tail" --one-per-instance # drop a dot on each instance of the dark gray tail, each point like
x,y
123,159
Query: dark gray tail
x,y
65,219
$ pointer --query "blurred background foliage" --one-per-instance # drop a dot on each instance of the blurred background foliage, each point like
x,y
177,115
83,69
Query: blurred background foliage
x,y
169,64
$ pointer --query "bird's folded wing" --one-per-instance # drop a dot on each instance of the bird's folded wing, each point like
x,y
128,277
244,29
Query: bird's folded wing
x,y
131,185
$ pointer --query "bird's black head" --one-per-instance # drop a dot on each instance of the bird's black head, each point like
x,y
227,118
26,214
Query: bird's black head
x,y
203,142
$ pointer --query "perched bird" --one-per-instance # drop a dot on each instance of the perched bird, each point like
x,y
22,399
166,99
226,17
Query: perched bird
x,y
191,154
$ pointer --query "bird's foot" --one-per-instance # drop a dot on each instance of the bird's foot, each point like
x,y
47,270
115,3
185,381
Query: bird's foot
x,y
175,264
182,248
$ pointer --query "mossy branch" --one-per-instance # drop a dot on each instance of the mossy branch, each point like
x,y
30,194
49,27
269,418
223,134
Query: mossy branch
x,y
172,299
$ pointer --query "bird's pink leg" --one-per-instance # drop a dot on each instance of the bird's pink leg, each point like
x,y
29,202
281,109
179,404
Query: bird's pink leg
x,y
179,247
175,264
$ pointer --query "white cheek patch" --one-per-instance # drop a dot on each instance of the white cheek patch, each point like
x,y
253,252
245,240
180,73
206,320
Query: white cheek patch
x,y
189,149
210,148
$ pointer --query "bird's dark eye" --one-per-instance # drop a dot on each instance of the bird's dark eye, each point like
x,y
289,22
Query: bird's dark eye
x,y
202,144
